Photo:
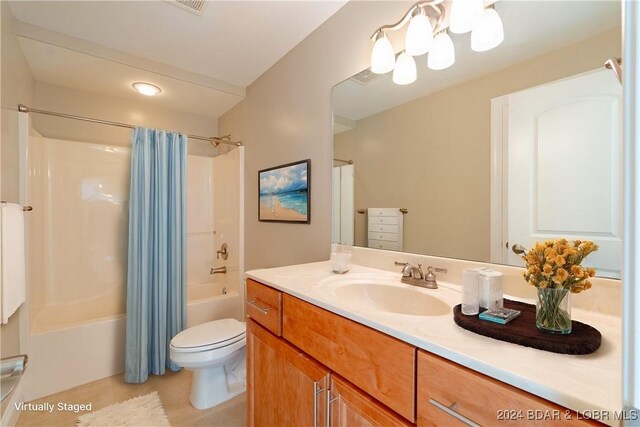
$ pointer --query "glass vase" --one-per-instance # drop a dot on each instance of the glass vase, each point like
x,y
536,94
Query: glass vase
x,y
553,310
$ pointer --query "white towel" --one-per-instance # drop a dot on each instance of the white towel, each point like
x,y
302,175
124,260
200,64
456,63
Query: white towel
x,y
12,257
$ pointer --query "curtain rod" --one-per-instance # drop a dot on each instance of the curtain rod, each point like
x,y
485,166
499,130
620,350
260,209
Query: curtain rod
x,y
215,140
343,161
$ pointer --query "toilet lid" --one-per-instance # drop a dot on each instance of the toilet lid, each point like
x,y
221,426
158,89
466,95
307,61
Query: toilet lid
x,y
210,335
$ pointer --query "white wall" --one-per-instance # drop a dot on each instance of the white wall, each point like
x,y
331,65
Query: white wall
x,y
16,87
286,116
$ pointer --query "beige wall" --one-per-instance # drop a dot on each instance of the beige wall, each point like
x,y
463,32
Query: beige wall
x,y
143,112
432,155
16,87
286,116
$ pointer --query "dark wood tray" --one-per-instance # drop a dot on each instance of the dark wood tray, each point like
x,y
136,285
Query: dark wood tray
x,y
583,339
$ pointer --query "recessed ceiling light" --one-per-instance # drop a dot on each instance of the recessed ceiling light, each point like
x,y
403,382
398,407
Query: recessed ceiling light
x,y
146,88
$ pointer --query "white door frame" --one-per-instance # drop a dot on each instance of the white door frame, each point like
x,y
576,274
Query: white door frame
x,y
631,263
499,192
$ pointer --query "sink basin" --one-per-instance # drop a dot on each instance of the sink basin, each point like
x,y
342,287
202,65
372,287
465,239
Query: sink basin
x,y
382,294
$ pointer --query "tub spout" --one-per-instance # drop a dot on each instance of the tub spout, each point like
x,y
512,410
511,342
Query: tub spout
x,y
219,270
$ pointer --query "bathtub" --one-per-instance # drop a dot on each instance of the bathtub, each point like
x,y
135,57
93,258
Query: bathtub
x,y
79,353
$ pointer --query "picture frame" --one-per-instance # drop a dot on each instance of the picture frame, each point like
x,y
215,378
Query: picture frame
x,y
284,193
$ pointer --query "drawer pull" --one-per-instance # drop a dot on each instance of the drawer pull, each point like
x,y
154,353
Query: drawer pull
x,y
329,402
316,392
450,410
260,309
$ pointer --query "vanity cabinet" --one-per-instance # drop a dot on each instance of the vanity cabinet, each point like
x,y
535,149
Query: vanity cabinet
x,y
307,366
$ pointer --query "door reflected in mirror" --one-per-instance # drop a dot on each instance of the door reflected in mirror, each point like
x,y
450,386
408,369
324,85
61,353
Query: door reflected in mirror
x,y
505,148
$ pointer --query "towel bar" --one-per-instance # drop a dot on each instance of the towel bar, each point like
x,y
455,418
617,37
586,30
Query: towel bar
x,y
24,208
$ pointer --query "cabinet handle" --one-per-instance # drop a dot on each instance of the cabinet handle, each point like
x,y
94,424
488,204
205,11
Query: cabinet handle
x,y
450,410
260,309
316,392
329,402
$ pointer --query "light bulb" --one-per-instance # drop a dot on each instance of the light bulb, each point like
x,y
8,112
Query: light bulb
x,y
146,88
489,32
465,15
419,35
405,72
382,57
442,54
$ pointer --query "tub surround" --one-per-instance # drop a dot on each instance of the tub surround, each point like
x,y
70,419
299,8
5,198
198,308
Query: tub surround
x,y
581,383
103,345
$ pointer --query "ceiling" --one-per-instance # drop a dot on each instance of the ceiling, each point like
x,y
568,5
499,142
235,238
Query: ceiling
x,y
68,68
203,63
531,28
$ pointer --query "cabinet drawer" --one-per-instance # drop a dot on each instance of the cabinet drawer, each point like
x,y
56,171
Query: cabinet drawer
x,y
383,220
478,398
380,365
386,237
381,244
383,228
383,212
264,305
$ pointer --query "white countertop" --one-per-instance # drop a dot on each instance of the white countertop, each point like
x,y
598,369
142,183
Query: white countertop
x,y
584,383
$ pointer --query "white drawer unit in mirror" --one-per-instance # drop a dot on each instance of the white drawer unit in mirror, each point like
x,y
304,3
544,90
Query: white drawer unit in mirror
x,y
385,228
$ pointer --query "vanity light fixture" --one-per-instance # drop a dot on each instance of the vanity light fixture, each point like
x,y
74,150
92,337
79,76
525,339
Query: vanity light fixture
x,y
465,15
427,18
405,71
489,32
146,88
383,58
442,54
419,34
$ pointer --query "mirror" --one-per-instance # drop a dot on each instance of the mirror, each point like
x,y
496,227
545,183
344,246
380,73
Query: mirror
x,y
504,148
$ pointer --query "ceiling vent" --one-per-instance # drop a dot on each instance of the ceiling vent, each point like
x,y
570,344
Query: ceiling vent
x,y
194,6
365,76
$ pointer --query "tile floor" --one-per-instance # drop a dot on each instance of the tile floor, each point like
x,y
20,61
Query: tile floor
x,y
173,389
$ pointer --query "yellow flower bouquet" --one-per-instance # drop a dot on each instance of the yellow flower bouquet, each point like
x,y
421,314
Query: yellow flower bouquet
x,y
554,268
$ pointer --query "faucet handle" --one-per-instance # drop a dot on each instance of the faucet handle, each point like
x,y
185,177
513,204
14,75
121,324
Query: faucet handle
x,y
430,277
406,270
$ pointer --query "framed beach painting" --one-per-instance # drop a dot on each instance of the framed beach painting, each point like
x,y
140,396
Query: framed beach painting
x,y
284,193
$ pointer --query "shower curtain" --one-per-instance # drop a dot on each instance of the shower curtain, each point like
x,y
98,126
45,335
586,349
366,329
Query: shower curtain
x,y
156,280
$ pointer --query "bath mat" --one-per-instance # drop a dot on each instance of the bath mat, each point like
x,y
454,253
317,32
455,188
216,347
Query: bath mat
x,y
140,411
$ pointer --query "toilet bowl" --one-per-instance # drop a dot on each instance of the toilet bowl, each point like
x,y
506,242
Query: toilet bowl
x,y
215,353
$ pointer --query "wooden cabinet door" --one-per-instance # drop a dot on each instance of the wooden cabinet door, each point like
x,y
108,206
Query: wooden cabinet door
x,y
351,407
284,386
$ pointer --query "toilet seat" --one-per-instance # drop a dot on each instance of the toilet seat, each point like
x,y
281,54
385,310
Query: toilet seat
x,y
209,336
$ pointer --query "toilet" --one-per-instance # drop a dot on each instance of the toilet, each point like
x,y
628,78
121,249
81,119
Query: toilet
x,y
215,353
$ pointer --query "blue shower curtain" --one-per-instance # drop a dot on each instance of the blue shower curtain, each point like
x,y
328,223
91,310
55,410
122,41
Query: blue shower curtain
x,y
156,280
